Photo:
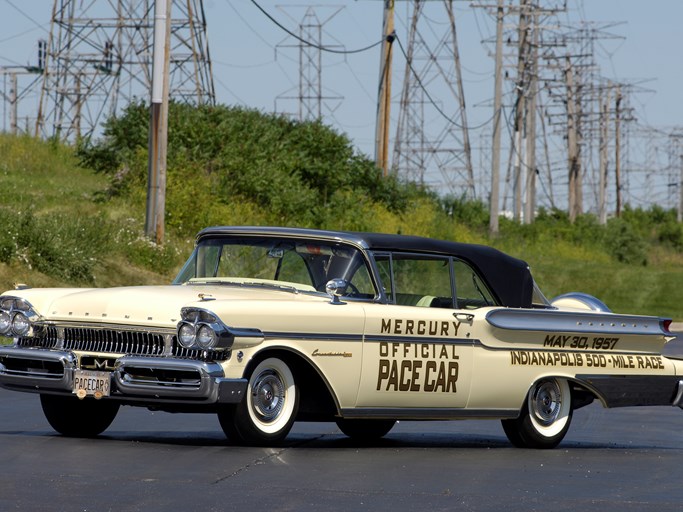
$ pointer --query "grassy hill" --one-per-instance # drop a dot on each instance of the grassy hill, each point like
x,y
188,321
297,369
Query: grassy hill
x,y
66,222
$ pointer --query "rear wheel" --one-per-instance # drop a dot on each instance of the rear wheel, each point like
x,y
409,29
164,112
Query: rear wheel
x,y
545,417
73,417
268,411
365,429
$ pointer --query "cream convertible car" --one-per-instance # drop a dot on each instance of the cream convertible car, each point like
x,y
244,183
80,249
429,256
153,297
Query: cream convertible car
x,y
265,326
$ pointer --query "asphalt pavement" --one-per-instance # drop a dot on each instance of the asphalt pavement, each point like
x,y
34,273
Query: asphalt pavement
x,y
611,460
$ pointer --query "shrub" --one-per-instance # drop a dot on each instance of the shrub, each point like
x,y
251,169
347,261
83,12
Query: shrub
x,y
624,244
295,171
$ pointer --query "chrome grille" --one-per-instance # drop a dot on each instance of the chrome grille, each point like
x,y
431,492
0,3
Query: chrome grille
x,y
47,337
107,340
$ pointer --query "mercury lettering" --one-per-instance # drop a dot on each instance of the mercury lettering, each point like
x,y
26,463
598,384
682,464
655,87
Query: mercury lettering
x,y
420,327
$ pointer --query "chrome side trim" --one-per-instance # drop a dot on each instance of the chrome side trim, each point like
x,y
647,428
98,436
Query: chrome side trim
x,y
427,413
426,340
570,321
312,336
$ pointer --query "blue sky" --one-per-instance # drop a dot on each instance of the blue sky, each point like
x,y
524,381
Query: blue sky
x,y
255,63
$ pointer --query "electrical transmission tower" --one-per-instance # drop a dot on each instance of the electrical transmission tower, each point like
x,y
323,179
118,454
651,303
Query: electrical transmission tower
x,y
432,142
313,100
99,59
19,87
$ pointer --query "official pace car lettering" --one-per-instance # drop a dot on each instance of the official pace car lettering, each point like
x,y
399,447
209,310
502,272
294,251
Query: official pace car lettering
x,y
429,367
420,327
580,342
569,359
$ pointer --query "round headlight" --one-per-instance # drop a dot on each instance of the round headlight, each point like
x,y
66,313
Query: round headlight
x,y
5,322
186,335
206,337
20,324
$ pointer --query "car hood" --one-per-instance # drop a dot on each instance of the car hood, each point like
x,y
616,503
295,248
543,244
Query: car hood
x,y
157,306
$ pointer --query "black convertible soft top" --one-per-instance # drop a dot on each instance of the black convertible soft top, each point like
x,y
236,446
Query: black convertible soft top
x,y
508,278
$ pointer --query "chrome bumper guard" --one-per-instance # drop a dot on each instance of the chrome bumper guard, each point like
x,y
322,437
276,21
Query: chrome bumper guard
x,y
134,378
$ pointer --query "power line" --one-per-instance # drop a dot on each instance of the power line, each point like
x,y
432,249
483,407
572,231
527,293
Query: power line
x,y
309,43
429,96
41,27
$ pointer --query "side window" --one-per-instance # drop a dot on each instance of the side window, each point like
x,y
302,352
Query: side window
x,y
471,290
416,280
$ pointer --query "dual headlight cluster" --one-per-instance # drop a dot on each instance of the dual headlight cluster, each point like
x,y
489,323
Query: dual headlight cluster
x,y
16,317
201,329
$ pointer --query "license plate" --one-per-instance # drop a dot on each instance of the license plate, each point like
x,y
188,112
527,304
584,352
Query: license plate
x,y
89,383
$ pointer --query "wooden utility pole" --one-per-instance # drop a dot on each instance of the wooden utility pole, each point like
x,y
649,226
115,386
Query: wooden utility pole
x,y
497,111
530,192
604,134
158,125
679,215
573,157
384,99
617,150
520,109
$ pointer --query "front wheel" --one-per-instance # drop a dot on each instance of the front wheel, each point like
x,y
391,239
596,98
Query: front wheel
x,y
73,417
268,410
545,417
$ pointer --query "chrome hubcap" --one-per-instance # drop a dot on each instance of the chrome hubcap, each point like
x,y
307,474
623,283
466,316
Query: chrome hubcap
x,y
268,396
546,402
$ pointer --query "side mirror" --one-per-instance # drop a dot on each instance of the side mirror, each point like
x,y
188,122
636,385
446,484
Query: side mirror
x,y
335,288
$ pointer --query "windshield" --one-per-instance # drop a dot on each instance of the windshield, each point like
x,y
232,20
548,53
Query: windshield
x,y
286,264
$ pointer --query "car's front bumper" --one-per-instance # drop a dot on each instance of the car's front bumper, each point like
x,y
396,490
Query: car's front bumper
x,y
134,378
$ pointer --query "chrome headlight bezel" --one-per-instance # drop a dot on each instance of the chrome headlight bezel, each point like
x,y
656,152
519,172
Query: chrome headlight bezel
x,y
187,334
201,329
5,323
21,325
206,337
17,317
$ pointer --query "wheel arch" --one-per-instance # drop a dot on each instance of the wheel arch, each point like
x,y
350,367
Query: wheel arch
x,y
317,400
